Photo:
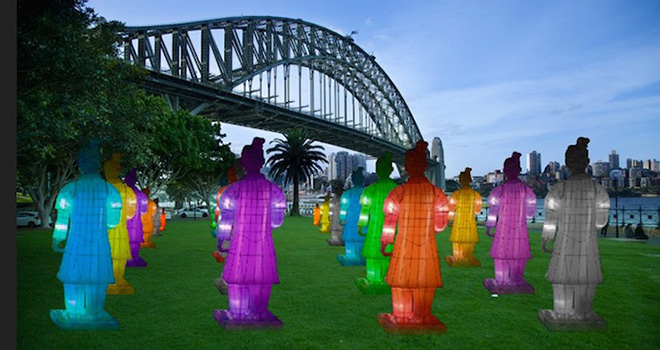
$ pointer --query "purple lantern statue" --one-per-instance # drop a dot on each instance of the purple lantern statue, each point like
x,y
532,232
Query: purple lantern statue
x,y
511,204
576,209
134,224
86,209
250,209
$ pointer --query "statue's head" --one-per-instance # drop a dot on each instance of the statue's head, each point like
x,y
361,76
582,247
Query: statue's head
x,y
384,166
337,187
252,156
89,157
415,160
131,177
146,191
231,174
465,178
327,197
577,156
112,167
357,176
512,166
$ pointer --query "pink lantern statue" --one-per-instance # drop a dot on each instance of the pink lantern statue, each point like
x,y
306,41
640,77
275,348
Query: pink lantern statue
x,y
250,209
418,209
575,210
86,209
510,205
134,224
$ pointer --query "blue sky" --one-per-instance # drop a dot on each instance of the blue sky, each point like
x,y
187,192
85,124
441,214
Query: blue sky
x,y
487,77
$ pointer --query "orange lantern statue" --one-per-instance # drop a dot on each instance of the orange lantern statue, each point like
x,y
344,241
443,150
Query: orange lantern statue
x,y
418,209
148,221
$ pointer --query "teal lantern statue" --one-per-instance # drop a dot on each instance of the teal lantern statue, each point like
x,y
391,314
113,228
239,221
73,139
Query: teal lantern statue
x,y
348,217
86,209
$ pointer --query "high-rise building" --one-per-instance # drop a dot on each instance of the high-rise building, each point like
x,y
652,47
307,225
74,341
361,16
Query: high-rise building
x,y
647,164
628,163
601,169
534,163
655,165
358,160
438,154
342,164
614,160
634,176
332,167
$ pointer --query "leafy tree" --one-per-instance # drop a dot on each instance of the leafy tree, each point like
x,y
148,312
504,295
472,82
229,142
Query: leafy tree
x,y
214,159
70,87
181,143
296,159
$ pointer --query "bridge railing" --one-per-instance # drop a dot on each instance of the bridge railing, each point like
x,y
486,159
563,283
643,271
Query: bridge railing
x,y
647,216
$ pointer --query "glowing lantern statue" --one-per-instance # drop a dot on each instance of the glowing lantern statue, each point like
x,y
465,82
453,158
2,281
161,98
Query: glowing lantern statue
x,y
118,236
348,217
148,221
420,209
325,214
510,205
464,205
163,221
575,210
134,224
86,209
316,215
250,209
156,219
373,217
335,228
222,243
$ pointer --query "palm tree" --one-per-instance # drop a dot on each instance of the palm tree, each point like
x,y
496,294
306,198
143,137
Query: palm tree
x,y
296,160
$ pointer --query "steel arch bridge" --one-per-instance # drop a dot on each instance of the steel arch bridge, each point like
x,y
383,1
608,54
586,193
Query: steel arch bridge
x,y
274,73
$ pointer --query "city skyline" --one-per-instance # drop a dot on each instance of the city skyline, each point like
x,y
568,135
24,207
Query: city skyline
x,y
486,78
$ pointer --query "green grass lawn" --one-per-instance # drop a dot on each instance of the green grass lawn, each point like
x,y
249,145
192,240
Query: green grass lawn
x,y
321,307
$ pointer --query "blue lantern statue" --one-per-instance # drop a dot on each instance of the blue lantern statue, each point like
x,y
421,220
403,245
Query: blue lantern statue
x,y
348,217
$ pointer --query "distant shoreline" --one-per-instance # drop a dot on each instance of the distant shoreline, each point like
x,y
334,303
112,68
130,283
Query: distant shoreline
x,y
651,195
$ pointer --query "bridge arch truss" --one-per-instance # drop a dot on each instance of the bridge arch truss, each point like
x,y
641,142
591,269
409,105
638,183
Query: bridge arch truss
x,y
273,73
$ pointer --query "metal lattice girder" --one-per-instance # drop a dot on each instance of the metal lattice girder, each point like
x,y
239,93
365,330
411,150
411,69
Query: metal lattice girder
x,y
226,57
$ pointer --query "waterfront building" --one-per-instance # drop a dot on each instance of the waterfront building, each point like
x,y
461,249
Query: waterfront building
x,y
534,163
614,160
634,176
601,169
342,165
495,177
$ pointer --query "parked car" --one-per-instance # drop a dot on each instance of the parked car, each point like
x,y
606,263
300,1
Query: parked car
x,y
192,212
29,219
